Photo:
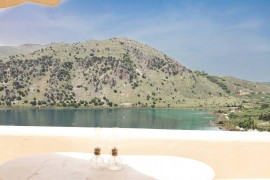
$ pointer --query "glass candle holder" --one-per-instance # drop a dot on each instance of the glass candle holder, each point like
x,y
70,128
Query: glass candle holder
x,y
114,162
97,161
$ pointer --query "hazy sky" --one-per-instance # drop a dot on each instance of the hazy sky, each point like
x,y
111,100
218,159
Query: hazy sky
x,y
221,37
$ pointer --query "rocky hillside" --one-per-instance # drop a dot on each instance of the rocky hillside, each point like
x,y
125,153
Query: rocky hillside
x,y
114,72
16,50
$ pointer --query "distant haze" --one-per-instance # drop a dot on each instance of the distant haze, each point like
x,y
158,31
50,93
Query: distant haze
x,y
227,38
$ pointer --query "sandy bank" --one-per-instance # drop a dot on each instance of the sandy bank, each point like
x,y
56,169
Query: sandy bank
x,y
230,154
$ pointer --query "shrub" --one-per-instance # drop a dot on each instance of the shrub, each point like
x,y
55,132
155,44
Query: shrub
x,y
34,103
264,106
264,117
110,104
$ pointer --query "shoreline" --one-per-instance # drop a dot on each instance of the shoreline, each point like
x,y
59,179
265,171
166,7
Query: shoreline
x,y
221,120
119,107
216,123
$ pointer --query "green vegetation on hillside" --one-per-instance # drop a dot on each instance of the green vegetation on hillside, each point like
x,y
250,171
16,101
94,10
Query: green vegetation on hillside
x,y
217,81
250,115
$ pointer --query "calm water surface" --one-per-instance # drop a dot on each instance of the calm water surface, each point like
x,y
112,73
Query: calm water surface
x,y
122,118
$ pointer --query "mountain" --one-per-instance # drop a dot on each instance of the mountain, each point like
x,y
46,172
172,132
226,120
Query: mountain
x,y
114,72
16,50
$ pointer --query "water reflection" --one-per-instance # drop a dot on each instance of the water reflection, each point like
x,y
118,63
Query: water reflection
x,y
123,118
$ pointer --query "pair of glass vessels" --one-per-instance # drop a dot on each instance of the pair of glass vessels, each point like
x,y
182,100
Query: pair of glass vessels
x,y
114,162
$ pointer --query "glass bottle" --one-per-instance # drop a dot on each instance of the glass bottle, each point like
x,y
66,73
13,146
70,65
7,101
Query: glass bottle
x,y
97,161
114,162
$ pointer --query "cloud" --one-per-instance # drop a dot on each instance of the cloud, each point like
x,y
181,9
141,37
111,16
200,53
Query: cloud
x,y
42,26
200,35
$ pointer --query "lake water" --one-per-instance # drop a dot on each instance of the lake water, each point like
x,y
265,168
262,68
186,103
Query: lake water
x,y
122,118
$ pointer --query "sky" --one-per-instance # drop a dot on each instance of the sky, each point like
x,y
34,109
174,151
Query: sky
x,y
220,37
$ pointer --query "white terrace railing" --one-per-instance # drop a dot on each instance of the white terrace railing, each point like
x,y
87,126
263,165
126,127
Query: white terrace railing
x,y
230,154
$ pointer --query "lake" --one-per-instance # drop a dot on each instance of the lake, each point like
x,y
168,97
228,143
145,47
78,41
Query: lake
x,y
122,118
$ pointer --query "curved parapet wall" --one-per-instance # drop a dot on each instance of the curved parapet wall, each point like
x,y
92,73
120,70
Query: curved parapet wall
x,y
230,154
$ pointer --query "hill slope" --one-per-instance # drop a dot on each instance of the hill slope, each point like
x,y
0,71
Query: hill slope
x,y
114,72
16,50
